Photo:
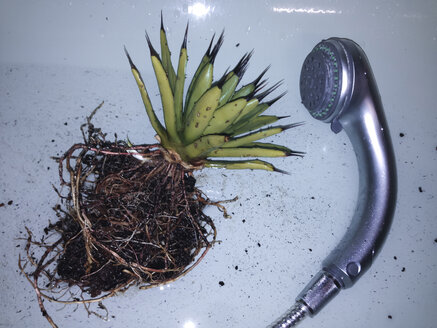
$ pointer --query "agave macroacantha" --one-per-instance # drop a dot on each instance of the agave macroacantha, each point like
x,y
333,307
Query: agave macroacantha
x,y
216,120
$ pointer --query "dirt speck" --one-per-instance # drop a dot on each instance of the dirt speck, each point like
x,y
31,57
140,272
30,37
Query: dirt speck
x,y
221,283
390,316
420,189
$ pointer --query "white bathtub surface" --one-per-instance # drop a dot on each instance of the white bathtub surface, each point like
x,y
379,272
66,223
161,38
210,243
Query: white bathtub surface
x,y
60,59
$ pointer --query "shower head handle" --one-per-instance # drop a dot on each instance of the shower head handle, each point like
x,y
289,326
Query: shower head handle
x,y
338,86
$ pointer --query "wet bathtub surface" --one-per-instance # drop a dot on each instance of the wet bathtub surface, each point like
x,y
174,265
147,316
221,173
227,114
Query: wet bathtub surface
x,y
59,60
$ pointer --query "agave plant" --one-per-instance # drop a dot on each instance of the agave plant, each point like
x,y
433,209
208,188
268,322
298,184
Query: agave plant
x,y
216,119
143,224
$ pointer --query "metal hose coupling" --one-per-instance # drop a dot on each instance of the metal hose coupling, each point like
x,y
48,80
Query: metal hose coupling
x,y
319,291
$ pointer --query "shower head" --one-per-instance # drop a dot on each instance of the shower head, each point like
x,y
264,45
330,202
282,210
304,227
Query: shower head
x,y
337,86
336,81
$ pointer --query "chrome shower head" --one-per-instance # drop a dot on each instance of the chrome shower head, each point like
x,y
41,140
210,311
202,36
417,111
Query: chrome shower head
x,y
337,86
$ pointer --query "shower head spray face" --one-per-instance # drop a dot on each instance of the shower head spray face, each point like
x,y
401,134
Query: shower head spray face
x,y
320,81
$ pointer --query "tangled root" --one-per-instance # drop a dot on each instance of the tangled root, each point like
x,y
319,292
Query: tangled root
x,y
122,222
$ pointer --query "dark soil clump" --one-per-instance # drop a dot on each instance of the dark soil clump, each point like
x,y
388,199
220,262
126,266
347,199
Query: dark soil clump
x,y
122,222
138,222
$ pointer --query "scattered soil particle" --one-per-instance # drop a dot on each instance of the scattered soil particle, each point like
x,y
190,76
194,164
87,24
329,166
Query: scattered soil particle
x,y
390,316
221,283
401,135
236,267
2,204
403,269
10,202
420,189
